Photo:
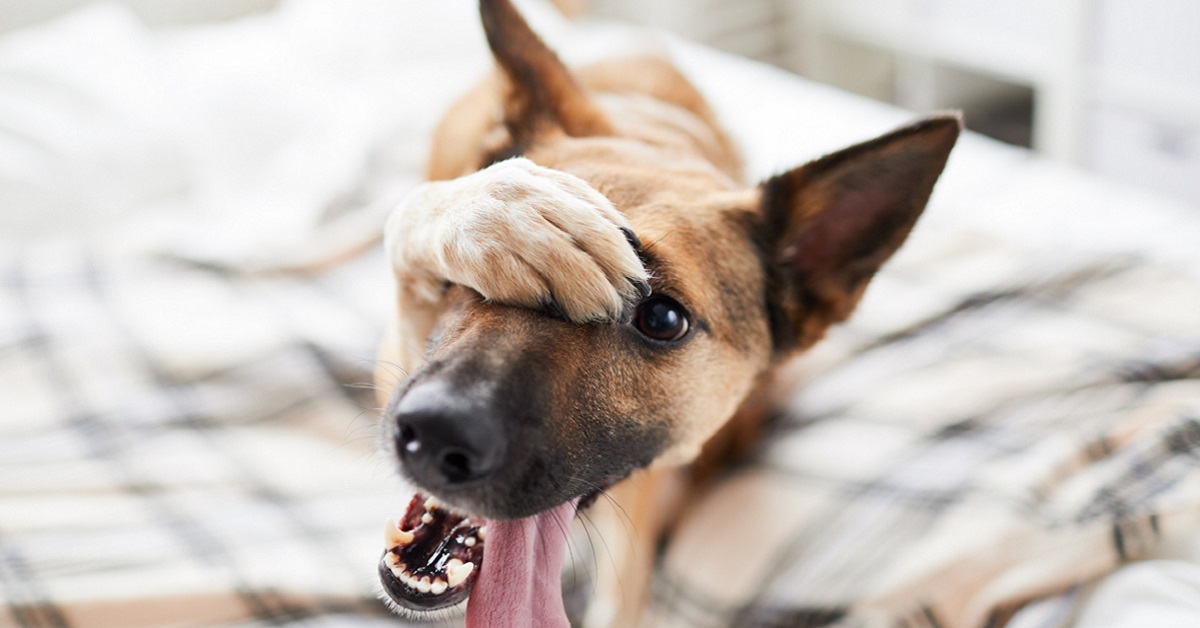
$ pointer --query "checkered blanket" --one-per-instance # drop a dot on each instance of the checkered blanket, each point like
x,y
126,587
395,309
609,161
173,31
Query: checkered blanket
x,y
180,446
189,443
993,427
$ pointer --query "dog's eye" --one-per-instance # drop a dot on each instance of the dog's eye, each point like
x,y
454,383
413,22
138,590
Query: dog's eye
x,y
661,318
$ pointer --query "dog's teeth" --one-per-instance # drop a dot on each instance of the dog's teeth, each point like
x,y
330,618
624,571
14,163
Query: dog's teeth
x,y
438,587
394,536
398,571
432,503
391,560
424,586
470,541
426,518
456,574
482,534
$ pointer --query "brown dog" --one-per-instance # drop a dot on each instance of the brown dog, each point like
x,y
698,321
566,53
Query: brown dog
x,y
553,353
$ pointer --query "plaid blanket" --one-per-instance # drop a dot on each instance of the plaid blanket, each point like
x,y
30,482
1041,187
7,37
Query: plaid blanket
x,y
993,427
193,444
185,446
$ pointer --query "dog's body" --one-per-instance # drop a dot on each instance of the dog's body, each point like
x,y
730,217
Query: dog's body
x,y
588,291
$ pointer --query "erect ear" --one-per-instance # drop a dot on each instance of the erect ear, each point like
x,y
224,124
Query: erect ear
x,y
830,224
540,92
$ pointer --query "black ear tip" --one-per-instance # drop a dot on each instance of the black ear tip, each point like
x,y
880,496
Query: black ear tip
x,y
949,123
938,132
949,116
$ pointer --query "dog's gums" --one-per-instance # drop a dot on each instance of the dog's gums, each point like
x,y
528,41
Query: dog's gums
x,y
431,556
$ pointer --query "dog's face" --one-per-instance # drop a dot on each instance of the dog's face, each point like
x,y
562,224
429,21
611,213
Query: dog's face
x,y
541,410
517,410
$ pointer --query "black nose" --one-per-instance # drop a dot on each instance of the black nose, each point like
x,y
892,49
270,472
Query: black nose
x,y
446,438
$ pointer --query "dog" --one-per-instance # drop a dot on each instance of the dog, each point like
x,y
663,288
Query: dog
x,y
589,302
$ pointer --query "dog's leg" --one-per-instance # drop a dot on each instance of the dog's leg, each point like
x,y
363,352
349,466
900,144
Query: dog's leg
x,y
518,234
628,525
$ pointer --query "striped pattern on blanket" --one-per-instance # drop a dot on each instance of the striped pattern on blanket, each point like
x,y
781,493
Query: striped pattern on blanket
x,y
180,445
994,427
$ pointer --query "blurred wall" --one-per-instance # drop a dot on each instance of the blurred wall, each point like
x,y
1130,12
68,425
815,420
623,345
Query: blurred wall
x,y
1110,85
17,13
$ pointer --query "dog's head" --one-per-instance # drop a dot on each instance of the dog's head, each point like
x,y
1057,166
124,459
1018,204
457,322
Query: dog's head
x,y
517,411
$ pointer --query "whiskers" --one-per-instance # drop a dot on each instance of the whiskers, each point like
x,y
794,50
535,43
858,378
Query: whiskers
x,y
585,562
358,430
398,373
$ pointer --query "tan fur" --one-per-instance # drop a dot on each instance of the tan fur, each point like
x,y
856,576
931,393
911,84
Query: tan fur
x,y
669,158
558,244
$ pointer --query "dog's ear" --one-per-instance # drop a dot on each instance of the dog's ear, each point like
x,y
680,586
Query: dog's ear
x,y
830,224
541,93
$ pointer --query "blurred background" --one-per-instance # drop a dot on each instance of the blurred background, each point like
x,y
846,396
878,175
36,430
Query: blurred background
x,y
1109,85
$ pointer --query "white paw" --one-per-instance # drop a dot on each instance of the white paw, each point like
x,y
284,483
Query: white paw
x,y
521,235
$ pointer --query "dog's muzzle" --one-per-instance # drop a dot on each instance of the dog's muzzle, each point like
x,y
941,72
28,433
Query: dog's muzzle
x,y
447,440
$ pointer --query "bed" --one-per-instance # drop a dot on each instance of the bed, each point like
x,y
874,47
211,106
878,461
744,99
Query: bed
x,y
1007,433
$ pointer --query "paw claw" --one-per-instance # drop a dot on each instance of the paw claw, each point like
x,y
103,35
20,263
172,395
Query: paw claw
x,y
633,240
642,286
553,308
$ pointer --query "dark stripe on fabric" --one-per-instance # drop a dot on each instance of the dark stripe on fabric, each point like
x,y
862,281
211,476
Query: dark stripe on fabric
x,y
768,617
1119,541
203,544
19,581
27,602
927,611
1055,287
265,605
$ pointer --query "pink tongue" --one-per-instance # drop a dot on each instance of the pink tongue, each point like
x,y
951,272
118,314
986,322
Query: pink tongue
x,y
520,582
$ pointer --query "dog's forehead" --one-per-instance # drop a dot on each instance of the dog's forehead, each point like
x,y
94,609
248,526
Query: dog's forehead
x,y
703,252
697,226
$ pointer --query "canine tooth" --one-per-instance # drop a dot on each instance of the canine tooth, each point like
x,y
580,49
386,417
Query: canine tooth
x,y
482,534
394,535
457,574
470,541
432,503
453,563
426,518
438,587
424,585
391,559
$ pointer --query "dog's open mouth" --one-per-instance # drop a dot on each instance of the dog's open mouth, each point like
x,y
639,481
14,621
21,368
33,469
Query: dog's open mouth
x,y
434,559
432,555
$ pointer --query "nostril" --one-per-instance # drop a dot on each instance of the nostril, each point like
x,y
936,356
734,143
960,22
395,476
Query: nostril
x,y
456,465
407,439
445,438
